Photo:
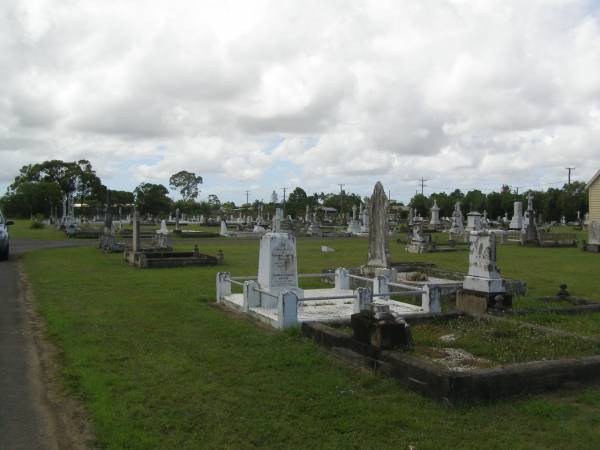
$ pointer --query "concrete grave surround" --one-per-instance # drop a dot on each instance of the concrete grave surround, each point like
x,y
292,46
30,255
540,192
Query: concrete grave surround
x,y
378,228
483,275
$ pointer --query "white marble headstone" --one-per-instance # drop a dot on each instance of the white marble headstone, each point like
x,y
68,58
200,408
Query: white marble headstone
x,y
516,222
277,263
484,275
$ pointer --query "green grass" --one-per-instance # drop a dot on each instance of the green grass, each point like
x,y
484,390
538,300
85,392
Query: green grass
x,y
583,324
500,342
22,230
158,366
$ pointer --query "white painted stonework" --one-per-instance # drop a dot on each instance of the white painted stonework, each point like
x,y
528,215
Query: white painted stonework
x,y
435,214
483,275
224,231
473,221
457,220
277,263
516,222
163,227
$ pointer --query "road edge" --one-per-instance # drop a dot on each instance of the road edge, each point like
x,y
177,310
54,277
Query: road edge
x,y
66,418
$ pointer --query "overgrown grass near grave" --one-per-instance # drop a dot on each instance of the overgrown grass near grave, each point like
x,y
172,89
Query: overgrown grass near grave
x,y
159,366
499,342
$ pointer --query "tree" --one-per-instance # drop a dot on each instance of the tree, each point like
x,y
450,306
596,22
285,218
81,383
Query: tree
x,y
186,183
152,199
274,198
32,198
76,177
121,198
474,200
214,202
296,202
421,204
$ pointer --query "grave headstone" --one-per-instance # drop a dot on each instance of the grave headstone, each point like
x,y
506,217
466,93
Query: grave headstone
x,y
435,214
457,226
516,223
483,287
224,231
473,221
136,244
530,233
277,263
378,228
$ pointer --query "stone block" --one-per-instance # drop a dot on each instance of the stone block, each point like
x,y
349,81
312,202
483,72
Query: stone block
x,y
475,302
383,333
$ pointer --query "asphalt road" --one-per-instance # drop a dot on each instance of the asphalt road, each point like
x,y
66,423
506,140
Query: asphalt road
x,y
26,421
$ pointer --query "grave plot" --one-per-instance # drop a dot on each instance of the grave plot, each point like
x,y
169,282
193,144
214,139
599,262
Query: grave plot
x,y
275,297
160,255
461,358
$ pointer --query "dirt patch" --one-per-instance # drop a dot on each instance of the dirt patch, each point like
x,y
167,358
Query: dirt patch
x,y
66,419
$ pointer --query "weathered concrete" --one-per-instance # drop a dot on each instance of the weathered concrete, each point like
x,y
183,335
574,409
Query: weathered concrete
x,y
451,386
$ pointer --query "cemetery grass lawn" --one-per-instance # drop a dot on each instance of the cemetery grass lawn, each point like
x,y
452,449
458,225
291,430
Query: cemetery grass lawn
x,y
157,365
22,230
499,342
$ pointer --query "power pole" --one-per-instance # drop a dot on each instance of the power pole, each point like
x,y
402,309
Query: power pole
x,y
284,189
247,197
423,180
570,169
341,199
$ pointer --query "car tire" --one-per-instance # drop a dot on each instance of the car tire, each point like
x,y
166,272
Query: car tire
x,y
4,254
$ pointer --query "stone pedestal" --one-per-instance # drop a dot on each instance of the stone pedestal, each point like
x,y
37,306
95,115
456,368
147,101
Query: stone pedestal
x,y
377,327
353,227
475,302
483,287
473,221
435,214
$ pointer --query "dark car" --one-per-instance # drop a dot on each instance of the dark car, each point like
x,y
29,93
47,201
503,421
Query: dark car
x,y
4,241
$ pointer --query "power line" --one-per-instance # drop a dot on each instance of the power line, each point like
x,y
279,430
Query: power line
x,y
423,180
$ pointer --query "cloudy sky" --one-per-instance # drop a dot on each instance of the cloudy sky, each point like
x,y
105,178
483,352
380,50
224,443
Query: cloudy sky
x,y
258,95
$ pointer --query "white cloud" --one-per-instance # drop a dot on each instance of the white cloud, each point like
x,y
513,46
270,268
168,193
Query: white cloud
x,y
346,91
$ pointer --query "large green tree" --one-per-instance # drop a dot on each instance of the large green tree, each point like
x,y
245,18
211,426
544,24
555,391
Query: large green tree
x,y
152,199
75,177
32,198
186,183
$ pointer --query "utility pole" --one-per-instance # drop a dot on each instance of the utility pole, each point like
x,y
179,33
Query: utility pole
x,y
341,200
570,169
247,197
284,189
423,180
